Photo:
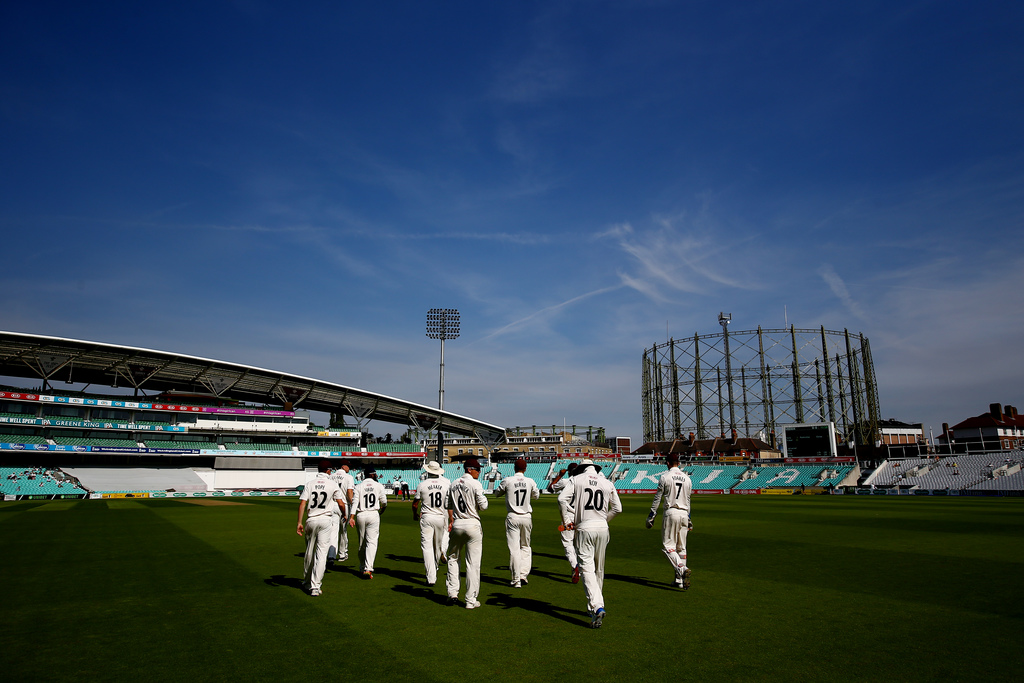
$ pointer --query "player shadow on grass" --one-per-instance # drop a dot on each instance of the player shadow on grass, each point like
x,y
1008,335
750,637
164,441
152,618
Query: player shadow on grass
x,y
640,581
487,578
282,580
404,558
553,557
401,575
508,601
422,592
339,568
558,577
534,572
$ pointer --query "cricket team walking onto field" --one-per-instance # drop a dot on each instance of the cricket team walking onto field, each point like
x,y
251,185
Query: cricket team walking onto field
x,y
451,532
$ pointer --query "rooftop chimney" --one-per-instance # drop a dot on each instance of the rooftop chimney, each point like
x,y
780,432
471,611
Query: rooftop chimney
x,y
995,410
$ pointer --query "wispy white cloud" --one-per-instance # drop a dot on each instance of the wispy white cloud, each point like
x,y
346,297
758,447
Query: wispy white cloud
x,y
838,287
524,238
546,312
543,69
670,259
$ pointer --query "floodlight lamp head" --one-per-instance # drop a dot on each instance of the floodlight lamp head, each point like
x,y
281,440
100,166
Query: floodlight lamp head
x,y
443,323
724,319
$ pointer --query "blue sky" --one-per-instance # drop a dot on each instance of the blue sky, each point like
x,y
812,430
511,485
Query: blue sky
x,y
294,186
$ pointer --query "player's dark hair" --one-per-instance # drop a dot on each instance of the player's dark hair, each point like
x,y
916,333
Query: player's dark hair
x,y
323,466
571,469
520,465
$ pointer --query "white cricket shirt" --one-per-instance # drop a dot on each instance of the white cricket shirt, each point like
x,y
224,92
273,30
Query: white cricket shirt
x,y
369,496
466,498
589,501
518,490
674,487
320,493
432,493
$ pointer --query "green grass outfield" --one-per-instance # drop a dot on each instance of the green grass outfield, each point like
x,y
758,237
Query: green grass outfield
x,y
784,588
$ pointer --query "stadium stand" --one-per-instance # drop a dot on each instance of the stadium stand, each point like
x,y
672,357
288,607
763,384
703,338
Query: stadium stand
x,y
715,477
235,446
190,445
1013,481
137,479
539,473
641,476
786,476
36,481
951,472
83,441
21,438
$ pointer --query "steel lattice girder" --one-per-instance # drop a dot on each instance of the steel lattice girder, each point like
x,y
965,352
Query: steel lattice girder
x,y
777,376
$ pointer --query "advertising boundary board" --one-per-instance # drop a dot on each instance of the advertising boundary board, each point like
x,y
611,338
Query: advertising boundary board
x,y
90,424
194,494
141,405
794,490
44,496
42,447
226,494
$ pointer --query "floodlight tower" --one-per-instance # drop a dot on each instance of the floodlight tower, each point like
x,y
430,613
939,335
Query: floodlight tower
x,y
442,323
724,319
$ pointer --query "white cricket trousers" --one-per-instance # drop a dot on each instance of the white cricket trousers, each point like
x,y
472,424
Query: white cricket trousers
x,y
466,540
674,525
517,532
590,548
318,540
368,526
433,541
339,538
569,544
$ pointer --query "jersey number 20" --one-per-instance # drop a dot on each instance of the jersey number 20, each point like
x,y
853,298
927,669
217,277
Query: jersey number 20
x,y
595,499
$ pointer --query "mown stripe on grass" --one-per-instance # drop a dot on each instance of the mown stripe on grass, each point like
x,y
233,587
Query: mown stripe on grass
x,y
115,593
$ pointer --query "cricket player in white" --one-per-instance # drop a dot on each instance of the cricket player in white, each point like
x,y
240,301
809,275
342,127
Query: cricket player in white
x,y
318,497
557,485
465,501
674,488
587,502
339,520
368,503
428,506
518,491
